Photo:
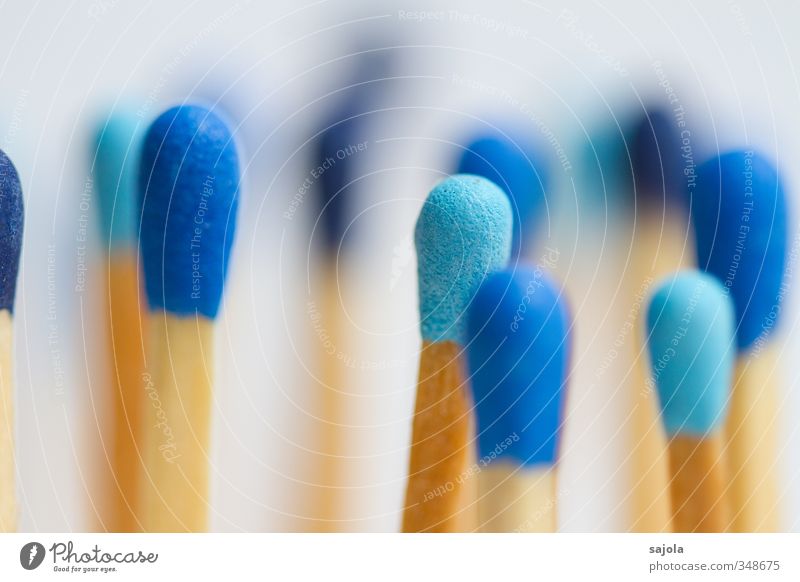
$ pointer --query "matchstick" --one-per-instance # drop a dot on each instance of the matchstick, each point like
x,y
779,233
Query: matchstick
x,y
518,352
691,341
12,216
740,218
189,188
462,234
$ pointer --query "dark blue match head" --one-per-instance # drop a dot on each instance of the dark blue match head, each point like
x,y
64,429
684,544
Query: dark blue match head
x,y
518,168
740,220
12,216
518,353
336,174
656,161
189,188
117,149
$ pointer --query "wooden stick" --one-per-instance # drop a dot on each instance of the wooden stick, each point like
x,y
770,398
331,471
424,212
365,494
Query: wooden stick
x,y
440,492
752,443
659,248
516,499
331,442
177,420
127,356
8,498
698,484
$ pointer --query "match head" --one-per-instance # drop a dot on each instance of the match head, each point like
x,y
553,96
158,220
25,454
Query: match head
x,y
12,217
463,233
740,214
518,169
691,342
116,164
656,161
189,194
518,354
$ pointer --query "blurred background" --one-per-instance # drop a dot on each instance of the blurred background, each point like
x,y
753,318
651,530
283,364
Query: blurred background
x,y
427,76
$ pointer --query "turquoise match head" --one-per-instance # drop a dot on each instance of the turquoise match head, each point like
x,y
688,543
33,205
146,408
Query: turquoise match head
x,y
463,233
692,344
117,149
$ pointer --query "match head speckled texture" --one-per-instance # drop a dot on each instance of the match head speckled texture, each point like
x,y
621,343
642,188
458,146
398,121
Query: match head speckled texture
x,y
739,212
116,165
463,233
518,353
657,162
12,218
517,167
692,345
189,194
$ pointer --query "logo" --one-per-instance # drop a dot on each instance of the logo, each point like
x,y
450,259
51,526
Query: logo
x,y
31,555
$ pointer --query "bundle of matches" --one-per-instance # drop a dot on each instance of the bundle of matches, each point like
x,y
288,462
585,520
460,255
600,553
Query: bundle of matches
x,y
518,351
690,333
189,186
463,233
11,221
739,211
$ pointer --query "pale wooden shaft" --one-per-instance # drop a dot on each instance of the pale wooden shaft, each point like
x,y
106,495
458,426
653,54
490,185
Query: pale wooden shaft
x,y
177,417
516,499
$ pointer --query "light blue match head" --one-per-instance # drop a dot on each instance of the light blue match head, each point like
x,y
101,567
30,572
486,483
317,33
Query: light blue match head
x,y
518,354
463,233
740,218
116,164
516,165
692,345
189,194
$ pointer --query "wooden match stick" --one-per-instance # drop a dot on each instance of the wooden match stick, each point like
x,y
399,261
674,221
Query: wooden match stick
x,y
462,234
189,184
691,341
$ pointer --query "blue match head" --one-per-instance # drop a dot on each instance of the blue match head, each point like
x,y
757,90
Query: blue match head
x,y
189,189
740,221
518,354
116,165
463,233
691,342
515,166
12,217
656,160
335,173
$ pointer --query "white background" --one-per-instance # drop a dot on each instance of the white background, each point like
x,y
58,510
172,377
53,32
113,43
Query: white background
x,y
273,66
